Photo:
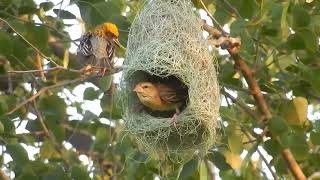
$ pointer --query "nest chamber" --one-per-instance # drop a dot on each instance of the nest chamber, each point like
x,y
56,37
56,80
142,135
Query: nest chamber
x,y
166,42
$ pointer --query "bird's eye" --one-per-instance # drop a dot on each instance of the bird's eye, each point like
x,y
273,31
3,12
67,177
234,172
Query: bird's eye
x,y
145,86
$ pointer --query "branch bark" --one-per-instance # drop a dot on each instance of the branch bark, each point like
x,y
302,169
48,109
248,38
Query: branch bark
x,y
60,84
257,95
3,176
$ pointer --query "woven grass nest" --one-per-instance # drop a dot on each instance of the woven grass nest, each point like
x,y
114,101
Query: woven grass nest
x,y
166,43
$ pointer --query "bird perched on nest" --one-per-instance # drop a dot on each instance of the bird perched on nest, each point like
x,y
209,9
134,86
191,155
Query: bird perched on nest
x,y
96,49
161,97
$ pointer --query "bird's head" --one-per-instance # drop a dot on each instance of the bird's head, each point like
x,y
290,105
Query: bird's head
x,y
146,90
109,31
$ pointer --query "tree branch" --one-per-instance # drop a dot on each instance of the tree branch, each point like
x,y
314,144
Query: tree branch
x,y
60,84
242,105
215,22
40,119
255,90
36,49
261,155
3,176
42,24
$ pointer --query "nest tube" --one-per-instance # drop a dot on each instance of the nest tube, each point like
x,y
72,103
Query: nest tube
x,y
166,40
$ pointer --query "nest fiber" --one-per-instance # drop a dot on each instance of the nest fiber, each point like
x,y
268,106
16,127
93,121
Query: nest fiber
x,y
166,40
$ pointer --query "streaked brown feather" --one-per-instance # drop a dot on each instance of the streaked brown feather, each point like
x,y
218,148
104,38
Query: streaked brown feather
x,y
171,94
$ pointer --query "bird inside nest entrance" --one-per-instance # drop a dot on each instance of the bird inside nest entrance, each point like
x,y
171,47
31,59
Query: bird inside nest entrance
x,y
160,97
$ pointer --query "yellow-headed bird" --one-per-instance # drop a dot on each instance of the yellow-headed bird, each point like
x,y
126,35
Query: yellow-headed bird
x,y
97,48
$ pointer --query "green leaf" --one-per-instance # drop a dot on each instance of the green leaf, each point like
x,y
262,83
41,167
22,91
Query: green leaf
x,y
97,13
27,7
272,147
102,139
310,39
247,8
203,171
9,126
88,116
6,44
295,42
55,172
46,5
218,160
79,172
105,83
91,94
37,35
64,14
300,16
312,75
229,175
20,51
284,23
57,130
277,125
53,108
111,108
1,128
234,139
286,60
280,165
18,154
188,169
315,137
298,146
48,150
220,14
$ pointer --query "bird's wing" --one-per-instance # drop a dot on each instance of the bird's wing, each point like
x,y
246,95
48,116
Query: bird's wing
x,y
85,47
168,94
110,49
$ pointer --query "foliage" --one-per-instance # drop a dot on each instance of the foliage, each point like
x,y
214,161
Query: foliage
x,y
280,41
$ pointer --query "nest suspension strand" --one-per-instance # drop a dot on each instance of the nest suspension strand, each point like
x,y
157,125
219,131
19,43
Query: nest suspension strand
x,y
165,41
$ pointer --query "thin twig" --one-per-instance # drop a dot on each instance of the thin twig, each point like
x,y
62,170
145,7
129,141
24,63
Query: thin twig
x,y
30,44
44,70
10,87
35,48
267,164
215,22
275,177
40,119
262,105
60,84
242,105
42,24
232,8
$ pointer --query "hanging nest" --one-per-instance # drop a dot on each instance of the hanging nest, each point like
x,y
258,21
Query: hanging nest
x,y
166,45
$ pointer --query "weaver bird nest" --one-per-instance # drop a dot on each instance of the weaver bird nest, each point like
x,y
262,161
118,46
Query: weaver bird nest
x,y
166,43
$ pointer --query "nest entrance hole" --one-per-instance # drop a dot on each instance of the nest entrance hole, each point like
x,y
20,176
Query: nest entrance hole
x,y
171,81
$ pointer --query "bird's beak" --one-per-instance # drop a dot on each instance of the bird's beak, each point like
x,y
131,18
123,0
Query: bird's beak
x,y
117,42
137,89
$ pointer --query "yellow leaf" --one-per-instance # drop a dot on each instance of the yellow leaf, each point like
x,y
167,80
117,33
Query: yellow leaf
x,y
234,141
233,159
203,171
295,111
66,59
248,142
